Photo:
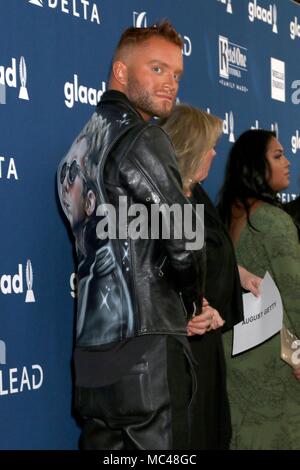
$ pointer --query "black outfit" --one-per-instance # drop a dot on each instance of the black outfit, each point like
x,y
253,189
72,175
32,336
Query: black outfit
x,y
293,209
147,408
129,288
211,426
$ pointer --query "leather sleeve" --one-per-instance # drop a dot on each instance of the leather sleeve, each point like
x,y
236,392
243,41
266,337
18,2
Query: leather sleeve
x,y
150,174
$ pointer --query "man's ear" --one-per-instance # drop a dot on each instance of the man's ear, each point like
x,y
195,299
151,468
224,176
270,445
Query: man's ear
x,y
90,203
120,72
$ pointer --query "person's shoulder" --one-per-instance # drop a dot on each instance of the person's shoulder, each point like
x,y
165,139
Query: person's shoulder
x,y
269,210
153,130
153,139
271,216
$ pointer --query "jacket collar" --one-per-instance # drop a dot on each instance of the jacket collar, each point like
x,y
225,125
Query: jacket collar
x,y
115,96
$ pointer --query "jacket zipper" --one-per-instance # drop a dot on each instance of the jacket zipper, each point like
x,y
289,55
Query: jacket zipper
x,y
182,302
160,271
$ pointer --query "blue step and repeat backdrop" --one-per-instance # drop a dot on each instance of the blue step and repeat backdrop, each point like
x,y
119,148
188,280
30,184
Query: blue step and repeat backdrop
x,y
241,62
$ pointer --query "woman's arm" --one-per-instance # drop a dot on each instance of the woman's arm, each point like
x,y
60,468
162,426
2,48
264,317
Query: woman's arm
x,y
249,281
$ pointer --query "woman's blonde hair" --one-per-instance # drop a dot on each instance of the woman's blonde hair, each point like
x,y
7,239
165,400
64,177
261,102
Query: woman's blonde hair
x,y
193,132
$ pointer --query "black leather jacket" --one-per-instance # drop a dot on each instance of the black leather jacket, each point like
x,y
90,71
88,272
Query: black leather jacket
x,y
129,287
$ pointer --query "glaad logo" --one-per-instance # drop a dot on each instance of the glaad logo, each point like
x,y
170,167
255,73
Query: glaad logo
x,y
228,126
267,16
29,282
16,380
23,94
295,141
229,5
2,94
10,284
274,127
256,125
2,352
9,168
8,76
75,93
38,3
73,285
187,46
78,8
296,94
277,79
294,28
140,19
232,63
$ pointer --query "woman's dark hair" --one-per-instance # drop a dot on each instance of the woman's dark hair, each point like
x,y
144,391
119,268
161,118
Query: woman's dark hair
x,y
246,174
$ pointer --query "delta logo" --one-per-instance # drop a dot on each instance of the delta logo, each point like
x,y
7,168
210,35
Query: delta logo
x,y
8,168
82,9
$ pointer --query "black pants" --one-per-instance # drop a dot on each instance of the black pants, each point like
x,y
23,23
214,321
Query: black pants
x,y
147,409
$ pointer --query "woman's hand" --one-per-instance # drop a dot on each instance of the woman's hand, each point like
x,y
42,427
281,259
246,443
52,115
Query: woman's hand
x,y
297,373
249,281
208,319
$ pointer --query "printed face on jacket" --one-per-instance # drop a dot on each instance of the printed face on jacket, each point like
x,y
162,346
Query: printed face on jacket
x,y
77,199
72,181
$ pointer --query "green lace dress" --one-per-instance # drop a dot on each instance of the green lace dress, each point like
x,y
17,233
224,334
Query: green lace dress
x,y
263,393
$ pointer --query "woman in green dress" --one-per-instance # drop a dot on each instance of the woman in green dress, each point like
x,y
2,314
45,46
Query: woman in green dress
x,y
264,391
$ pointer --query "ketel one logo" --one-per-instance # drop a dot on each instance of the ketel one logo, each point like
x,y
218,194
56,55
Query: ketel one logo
x,y
8,76
232,58
79,8
228,4
13,284
140,19
269,15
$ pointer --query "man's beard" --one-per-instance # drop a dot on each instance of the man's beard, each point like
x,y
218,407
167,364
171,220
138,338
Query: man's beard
x,y
142,100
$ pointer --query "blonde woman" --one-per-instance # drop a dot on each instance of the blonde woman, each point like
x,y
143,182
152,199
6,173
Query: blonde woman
x,y
194,134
